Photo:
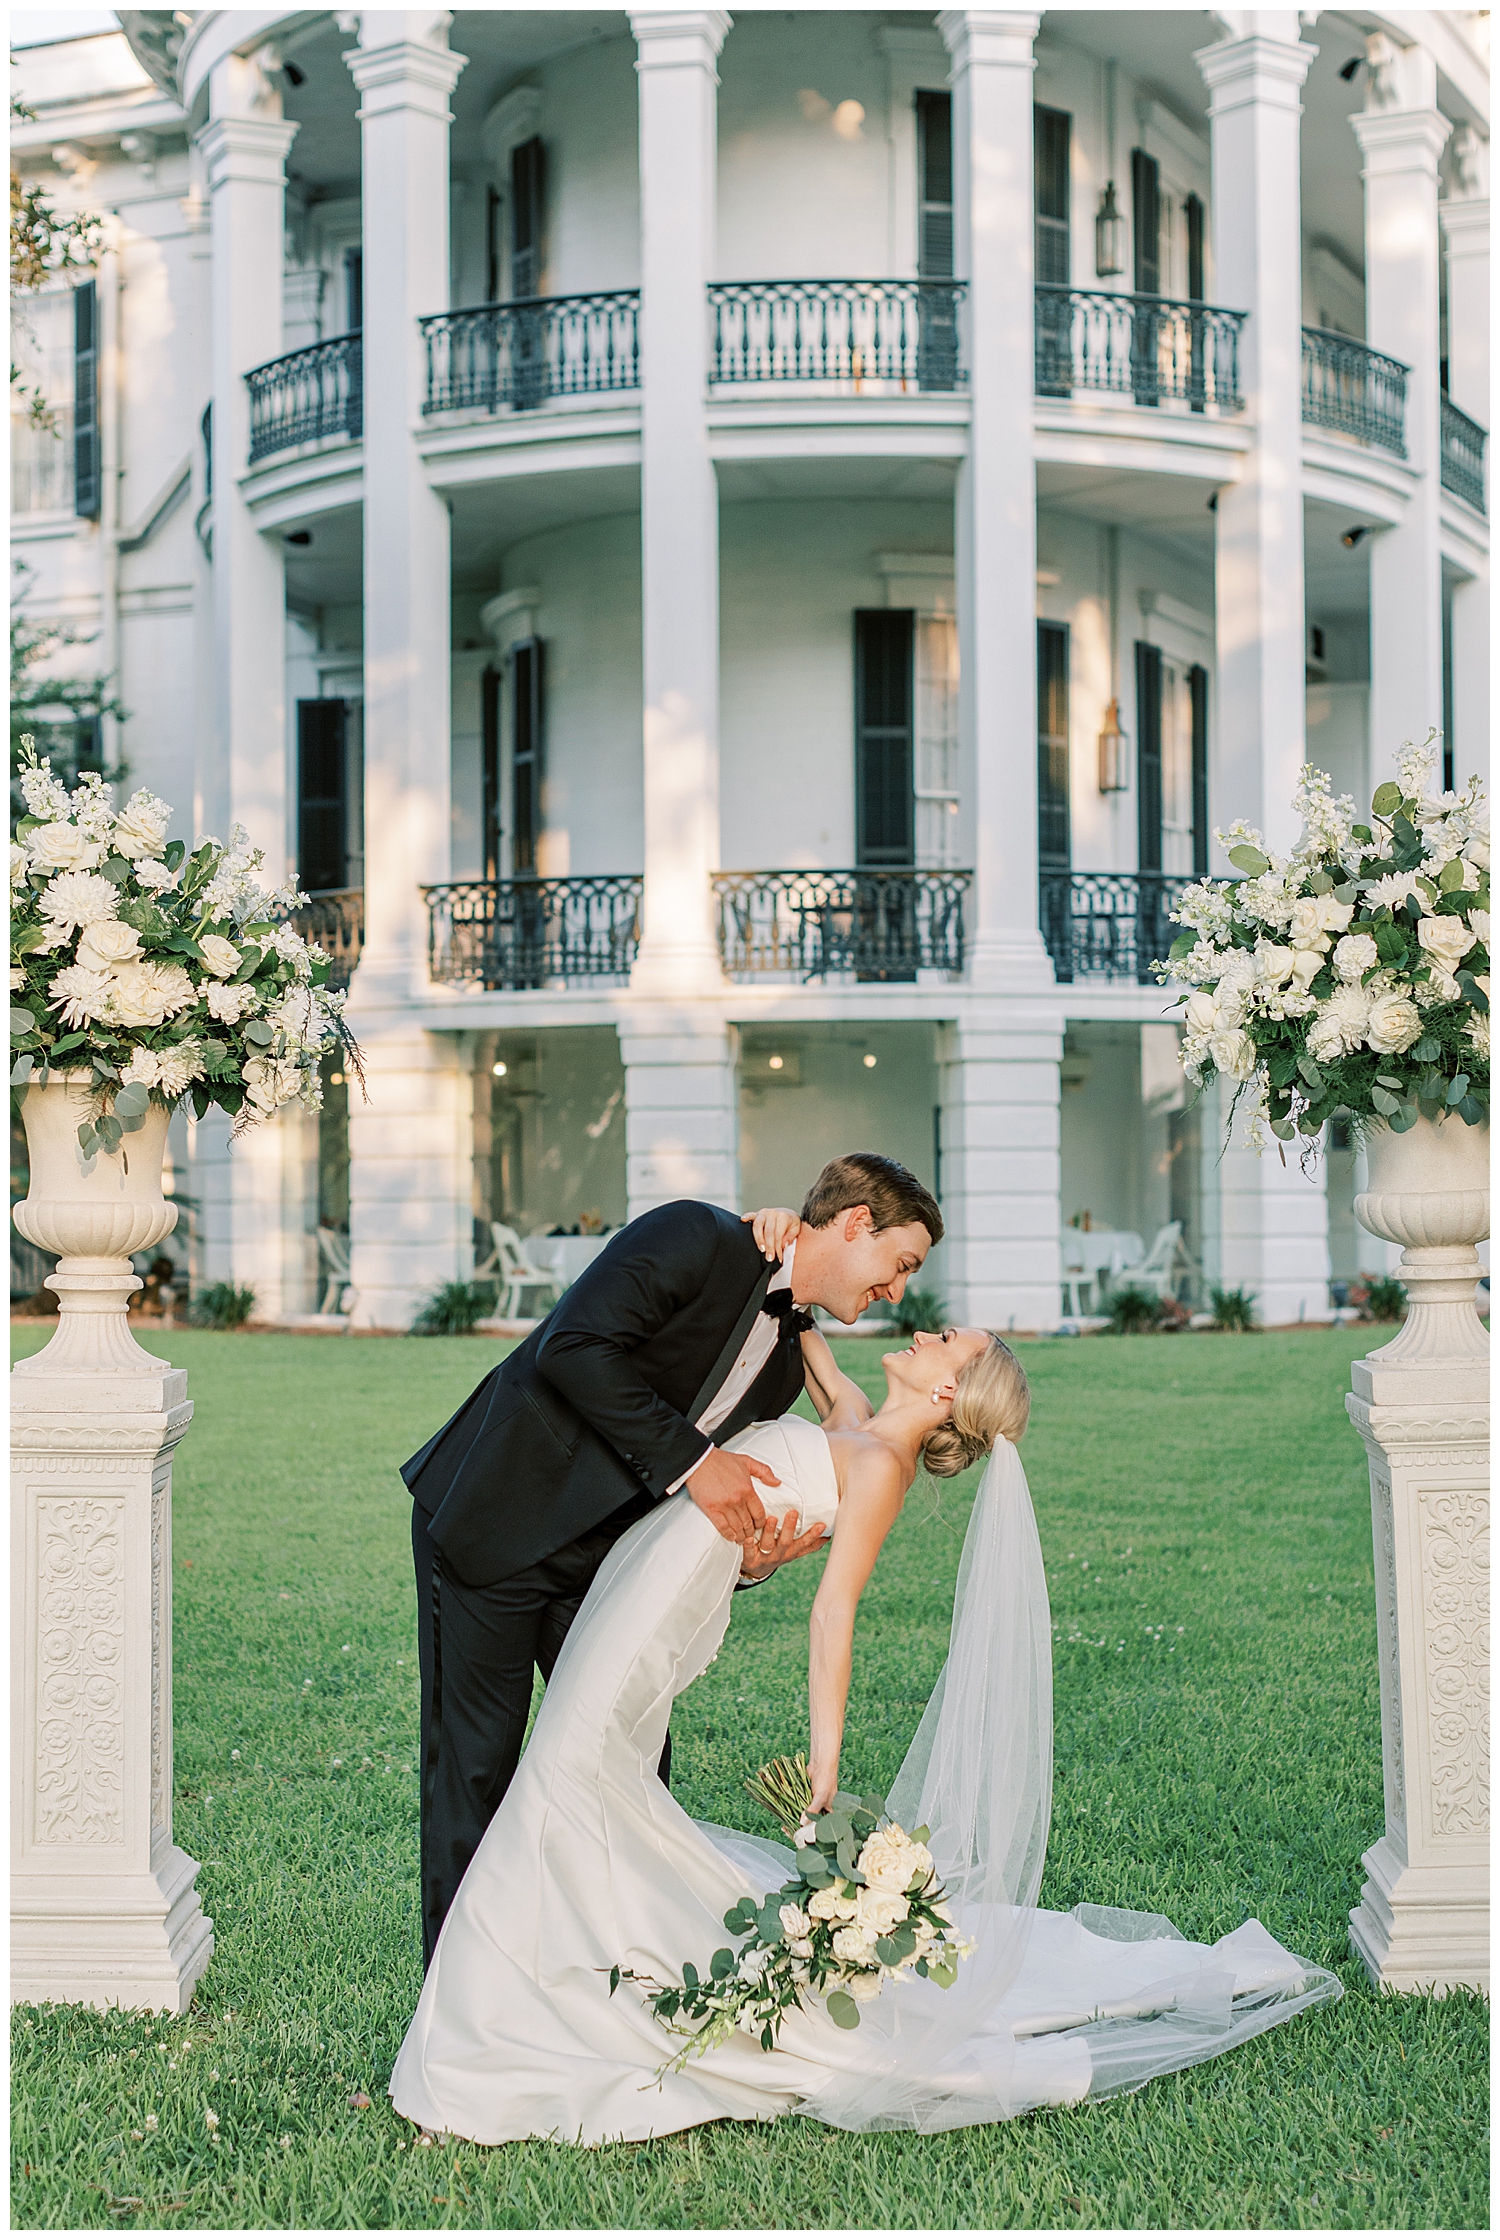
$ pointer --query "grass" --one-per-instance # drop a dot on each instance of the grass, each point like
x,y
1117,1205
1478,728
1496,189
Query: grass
x,y
1205,1518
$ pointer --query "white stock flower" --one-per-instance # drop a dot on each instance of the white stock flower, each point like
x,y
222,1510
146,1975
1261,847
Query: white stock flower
x,y
61,847
794,1922
221,956
1478,1032
288,943
45,796
144,995
104,947
141,826
230,1001
91,811
1233,1053
79,898
1414,768
890,1860
1354,956
1446,941
1395,1023
80,995
1340,1024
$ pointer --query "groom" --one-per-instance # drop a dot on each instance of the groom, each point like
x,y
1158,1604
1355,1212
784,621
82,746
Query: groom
x,y
673,1340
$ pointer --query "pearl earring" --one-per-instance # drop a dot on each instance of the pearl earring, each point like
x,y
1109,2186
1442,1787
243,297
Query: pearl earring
x,y
937,1397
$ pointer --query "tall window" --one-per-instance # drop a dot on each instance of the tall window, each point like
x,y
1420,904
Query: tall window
x,y
935,186
936,745
41,348
354,290
1052,132
1054,831
527,189
1172,760
1148,733
884,798
526,753
1192,211
330,851
1145,200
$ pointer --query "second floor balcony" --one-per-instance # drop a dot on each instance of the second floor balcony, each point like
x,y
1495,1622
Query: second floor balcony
x,y
1353,389
1463,442
306,396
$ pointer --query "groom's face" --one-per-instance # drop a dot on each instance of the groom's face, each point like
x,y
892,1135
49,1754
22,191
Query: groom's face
x,y
863,1264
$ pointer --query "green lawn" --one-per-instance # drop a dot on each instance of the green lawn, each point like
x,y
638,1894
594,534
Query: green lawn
x,y
1205,1519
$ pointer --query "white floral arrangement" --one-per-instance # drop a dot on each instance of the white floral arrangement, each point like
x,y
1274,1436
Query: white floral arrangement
x,y
865,1908
163,974
1352,976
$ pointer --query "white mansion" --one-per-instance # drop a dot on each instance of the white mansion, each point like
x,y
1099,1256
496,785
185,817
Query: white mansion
x,y
742,559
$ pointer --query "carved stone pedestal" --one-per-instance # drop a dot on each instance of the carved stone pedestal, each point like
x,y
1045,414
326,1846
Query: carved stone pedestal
x,y
1421,1405
103,1905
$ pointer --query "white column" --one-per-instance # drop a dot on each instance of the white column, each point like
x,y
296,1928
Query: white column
x,y
1002,1173
681,1108
678,83
1255,110
1401,135
244,146
995,524
1466,245
1272,1225
409,1158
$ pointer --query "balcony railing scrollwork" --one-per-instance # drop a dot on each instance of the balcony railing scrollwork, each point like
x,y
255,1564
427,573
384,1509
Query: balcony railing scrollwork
x,y
1153,349
307,395
845,925
516,356
1349,387
1463,455
1109,925
847,336
534,933
334,918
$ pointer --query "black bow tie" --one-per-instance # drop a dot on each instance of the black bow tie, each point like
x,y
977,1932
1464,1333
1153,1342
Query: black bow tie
x,y
783,1308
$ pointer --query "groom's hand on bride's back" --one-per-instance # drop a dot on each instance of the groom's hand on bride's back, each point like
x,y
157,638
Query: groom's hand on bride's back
x,y
723,1486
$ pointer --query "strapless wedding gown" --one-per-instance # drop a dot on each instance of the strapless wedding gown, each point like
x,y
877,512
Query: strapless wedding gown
x,y
590,1862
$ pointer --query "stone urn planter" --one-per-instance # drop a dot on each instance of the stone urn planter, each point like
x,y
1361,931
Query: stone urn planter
x,y
1421,1406
94,1211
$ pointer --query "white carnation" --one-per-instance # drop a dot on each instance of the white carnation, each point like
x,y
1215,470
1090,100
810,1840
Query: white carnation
x,y
1480,922
1354,956
144,1066
229,1002
154,875
79,898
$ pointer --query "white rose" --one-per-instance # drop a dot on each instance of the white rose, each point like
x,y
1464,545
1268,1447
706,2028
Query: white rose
x,y
1307,928
1202,1013
1480,921
1394,1025
1354,956
143,995
221,956
800,1947
794,1922
1447,941
61,847
830,1905
141,827
1333,915
1273,963
1306,965
880,1911
1233,1053
853,1945
891,1861
863,1987
20,864
104,947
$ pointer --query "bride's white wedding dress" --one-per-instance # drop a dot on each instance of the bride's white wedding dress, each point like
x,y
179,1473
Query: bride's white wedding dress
x,y
591,1862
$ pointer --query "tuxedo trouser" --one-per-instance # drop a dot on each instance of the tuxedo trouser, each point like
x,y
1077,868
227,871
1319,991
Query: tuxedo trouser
x,y
478,1648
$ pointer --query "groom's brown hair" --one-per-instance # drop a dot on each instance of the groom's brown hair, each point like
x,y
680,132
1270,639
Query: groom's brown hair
x,y
866,1178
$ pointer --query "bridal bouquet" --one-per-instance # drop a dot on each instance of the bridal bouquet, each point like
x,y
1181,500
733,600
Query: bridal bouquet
x,y
865,1908
1353,975
166,974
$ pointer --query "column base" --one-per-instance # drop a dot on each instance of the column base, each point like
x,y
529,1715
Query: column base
x,y
1015,960
1422,1928
105,1940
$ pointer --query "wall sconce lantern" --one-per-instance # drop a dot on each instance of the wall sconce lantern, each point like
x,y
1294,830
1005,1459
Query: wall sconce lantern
x,y
1109,237
1114,752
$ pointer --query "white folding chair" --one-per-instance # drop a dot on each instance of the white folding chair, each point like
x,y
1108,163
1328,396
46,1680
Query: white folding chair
x,y
1159,1268
333,1253
515,1274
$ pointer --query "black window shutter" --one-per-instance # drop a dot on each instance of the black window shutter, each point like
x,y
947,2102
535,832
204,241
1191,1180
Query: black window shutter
x,y
1148,755
885,810
1145,200
527,190
322,795
489,702
354,290
527,730
1054,835
935,186
86,465
1198,686
1052,133
1193,212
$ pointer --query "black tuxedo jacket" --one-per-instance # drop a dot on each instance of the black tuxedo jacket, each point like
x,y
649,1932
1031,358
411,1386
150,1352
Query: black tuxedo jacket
x,y
600,1403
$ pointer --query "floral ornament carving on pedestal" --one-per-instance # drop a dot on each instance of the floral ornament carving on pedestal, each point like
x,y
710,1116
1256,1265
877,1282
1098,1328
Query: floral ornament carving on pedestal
x,y
1456,1554
80,1730
1388,1629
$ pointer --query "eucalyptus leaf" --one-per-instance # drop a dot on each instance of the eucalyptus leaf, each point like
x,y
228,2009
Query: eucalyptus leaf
x,y
843,2011
21,1021
1249,860
109,1131
1474,1111
1426,1050
87,1140
258,1032
1321,883
1387,799
1404,1117
1384,1102
1389,1081
1458,1088
21,1070
134,1098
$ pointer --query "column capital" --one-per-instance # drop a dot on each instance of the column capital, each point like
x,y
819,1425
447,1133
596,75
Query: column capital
x,y
679,38
1255,68
1466,225
405,74
1000,36
245,151
1397,140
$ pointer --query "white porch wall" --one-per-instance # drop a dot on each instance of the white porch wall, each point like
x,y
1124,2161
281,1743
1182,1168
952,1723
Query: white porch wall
x,y
834,1103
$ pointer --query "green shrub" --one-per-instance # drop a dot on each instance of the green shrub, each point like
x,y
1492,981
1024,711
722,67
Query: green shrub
x,y
223,1306
453,1309
1233,1310
1132,1310
1383,1300
917,1310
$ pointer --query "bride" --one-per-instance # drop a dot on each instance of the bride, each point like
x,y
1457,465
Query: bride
x,y
591,1863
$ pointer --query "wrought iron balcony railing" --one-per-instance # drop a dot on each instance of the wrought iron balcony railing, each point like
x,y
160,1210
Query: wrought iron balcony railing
x,y
849,925
1350,387
334,917
534,933
1463,455
519,355
1108,925
1153,349
307,395
843,335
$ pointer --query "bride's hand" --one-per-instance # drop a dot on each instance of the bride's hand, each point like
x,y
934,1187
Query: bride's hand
x,y
825,1783
774,1227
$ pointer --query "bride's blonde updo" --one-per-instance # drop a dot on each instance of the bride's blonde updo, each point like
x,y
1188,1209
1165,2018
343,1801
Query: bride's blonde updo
x,y
993,1401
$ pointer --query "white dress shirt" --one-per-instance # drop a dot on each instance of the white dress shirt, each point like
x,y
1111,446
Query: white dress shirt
x,y
759,1345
